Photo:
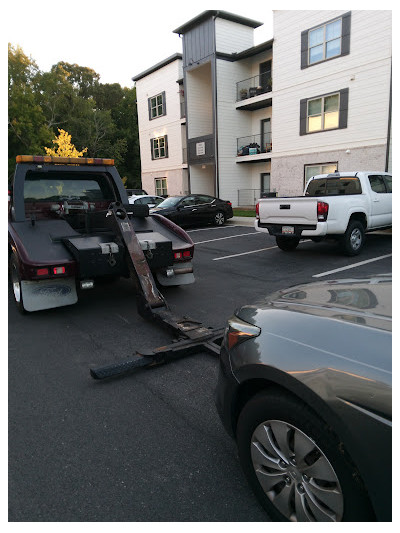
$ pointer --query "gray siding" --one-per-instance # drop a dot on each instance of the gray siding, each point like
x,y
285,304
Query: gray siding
x,y
199,43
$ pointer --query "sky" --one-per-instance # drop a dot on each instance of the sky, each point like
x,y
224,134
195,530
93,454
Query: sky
x,y
119,38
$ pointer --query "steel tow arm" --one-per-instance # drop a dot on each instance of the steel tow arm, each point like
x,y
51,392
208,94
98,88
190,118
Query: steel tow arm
x,y
191,336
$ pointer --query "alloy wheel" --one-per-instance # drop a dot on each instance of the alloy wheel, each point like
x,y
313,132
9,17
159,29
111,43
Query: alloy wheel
x,y
219,219
295,474
355,239
16,283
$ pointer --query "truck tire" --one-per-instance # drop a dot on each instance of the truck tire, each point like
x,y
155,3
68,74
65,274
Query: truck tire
x,y
354,238
16,283
287,244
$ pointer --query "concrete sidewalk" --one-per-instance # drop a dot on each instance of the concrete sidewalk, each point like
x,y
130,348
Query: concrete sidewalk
x,y
241,221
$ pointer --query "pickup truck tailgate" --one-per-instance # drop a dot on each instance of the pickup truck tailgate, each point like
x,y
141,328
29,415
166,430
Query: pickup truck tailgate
x,y
300,210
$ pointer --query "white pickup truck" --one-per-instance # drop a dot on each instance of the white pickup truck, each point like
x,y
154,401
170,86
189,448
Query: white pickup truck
x,y
342,206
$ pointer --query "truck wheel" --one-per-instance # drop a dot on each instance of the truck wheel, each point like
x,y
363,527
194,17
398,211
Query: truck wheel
x,y
287,244
353,239
16,283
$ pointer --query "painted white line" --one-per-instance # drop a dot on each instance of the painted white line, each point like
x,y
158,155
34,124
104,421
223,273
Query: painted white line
x,y
230,237
219,227
352,266
244,253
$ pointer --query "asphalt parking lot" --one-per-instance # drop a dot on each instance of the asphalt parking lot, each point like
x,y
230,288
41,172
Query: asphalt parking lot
x,y
149,446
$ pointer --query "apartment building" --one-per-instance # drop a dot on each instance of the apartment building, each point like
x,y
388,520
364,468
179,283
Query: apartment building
x,y
262,119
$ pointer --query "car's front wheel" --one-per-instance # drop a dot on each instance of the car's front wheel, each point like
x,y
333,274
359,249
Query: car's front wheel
x,y
295,464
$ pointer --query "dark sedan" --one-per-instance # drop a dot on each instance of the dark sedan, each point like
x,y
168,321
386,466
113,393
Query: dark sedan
x,y
305,389
195,209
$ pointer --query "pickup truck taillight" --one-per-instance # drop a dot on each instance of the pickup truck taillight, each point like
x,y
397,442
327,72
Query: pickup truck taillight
x,y
257,210
322,211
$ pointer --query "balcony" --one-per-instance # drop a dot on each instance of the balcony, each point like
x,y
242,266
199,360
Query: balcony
x,y
254,147
252,93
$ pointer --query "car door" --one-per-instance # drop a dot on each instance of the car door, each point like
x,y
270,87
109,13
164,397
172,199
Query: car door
x,y
206,208
187,212
381,200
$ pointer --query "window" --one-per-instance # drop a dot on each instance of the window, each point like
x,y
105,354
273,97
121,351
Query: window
x,y
314,170
334,186
157,107
324,112
159,147
326,41
161,186
204,199
377,184
388,181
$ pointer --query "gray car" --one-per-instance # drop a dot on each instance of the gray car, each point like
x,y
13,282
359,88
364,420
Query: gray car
x,y
305,389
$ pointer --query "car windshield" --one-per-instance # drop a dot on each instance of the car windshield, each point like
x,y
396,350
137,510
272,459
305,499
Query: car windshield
x,y
334,186
170,202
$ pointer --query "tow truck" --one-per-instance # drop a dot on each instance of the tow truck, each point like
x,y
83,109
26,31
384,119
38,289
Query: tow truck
x,y
61,234
70,221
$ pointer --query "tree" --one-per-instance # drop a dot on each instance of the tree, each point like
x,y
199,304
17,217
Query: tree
x,y
28,131
64,146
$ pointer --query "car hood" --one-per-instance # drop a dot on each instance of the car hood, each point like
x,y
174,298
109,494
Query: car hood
x,y
366,302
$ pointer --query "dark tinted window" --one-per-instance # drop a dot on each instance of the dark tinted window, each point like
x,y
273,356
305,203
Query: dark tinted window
x,y
190,200
388,181
171,201
334,186
204,199
59,186
377,184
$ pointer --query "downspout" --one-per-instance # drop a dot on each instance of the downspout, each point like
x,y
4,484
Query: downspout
x,y
214,81
389,123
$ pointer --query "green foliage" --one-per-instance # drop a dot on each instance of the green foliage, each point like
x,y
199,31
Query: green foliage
x,y
101,117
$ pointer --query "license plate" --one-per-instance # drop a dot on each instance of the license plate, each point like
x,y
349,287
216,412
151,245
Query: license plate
x,y
288,229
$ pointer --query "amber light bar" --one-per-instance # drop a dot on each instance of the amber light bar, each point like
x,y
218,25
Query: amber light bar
x,y
63,160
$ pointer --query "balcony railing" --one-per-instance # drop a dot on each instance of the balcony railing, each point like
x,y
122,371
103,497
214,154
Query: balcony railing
x,y
254,144
253,86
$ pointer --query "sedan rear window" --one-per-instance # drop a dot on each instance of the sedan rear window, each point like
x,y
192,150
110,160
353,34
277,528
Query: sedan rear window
x,y
334,186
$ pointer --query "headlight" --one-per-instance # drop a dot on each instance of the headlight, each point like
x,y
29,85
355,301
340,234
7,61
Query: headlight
x,y
239,331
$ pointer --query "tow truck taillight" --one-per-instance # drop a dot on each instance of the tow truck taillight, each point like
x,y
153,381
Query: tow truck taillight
x,y
322,211
257,210
183,256
58,270
42,272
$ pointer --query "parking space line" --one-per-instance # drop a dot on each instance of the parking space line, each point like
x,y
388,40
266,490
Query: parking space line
x,y
244,253
351,266
230,237
219,227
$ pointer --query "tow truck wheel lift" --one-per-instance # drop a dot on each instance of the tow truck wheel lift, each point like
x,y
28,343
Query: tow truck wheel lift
x,y
191,336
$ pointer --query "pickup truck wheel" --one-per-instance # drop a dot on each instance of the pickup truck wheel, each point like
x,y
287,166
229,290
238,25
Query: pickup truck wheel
x,y
288,244
219,219
296,465
16,283
353,239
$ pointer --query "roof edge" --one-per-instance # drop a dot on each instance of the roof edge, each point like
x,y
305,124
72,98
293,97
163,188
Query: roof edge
x,y
217,13
157,66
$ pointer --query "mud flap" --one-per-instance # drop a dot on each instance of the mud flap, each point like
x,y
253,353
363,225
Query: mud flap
x,y
48,293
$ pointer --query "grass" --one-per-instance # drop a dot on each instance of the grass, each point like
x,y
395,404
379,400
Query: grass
x,y
237,212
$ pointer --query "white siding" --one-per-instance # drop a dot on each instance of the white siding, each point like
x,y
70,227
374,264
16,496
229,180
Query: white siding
x,y
155,83
232,37
365,71
199,101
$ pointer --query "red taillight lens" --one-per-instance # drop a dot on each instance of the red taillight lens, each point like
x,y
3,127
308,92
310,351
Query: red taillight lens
x,y
42,272
180,256
257,210
59,270
239,331
229,203
322,211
